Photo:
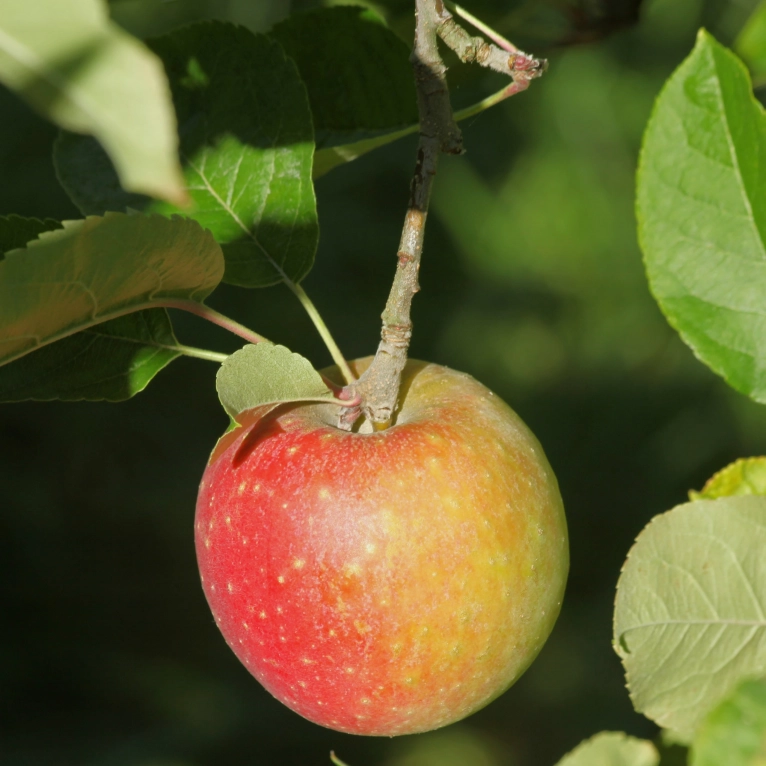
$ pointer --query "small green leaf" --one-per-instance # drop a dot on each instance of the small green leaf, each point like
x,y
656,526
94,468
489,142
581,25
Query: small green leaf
x,y
750,44
111,361
734,734
95,270
357,73
263,374
247,150
690,614
701,204
746,476
16,231
87,75
612,748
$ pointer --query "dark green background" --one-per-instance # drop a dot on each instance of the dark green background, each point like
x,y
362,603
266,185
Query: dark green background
x,y
532,281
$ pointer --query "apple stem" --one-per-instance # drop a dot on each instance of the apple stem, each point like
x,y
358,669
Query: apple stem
x,y
379,385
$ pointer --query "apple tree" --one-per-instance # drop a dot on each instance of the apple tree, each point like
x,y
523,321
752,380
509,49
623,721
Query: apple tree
x,y
382,542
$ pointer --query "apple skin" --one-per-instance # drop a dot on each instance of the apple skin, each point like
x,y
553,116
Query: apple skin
x,y
385,583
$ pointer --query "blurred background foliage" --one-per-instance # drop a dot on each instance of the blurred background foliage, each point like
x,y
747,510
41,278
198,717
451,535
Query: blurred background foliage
x,y
532,281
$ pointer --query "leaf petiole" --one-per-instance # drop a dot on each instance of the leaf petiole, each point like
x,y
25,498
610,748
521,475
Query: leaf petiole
x,y
323,330
200,353
205,312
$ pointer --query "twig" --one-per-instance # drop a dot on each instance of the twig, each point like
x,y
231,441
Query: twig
x,y
503,57
378,387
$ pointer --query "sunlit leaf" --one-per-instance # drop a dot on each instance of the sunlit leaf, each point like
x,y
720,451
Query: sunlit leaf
x,y
702,213
690,613
612,748
87,75
734,734
246,145
264,373
746,476
357,73
95,270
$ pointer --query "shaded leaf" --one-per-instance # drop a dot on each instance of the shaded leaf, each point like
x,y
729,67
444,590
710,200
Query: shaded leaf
x,y
85,74
735,732
264,373
95,270
702,213
612,748
16,231
746,476
246,145
111,361
357,73
690,614
750,44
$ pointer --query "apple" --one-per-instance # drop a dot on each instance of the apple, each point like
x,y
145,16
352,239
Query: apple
x,y
390,582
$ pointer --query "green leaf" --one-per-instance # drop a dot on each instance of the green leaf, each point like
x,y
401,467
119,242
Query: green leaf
x,y
66,59
734,734
246,146
751,42
689,618
112,361
357,73
16,231
746,476
702,213
95,270
612,748
263,374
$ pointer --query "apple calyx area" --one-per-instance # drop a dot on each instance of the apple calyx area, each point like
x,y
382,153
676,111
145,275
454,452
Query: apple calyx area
x,y
384,583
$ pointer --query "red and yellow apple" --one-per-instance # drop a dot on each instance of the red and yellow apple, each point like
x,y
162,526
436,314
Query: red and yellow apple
x,y
391,582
